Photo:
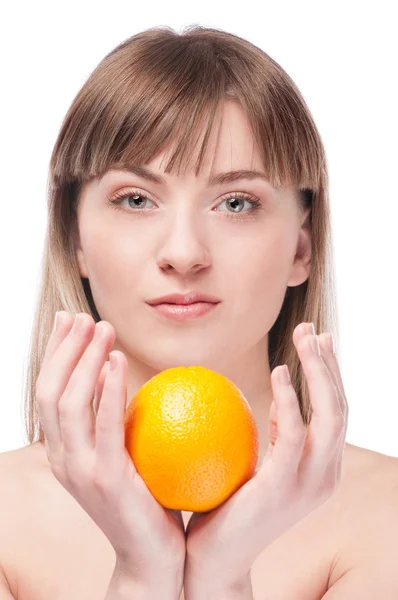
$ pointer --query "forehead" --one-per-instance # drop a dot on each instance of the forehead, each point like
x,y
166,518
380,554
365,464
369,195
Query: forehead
x,y
231,154
231,146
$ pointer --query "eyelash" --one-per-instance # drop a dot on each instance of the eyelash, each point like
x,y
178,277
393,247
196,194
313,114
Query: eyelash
x,y
116,200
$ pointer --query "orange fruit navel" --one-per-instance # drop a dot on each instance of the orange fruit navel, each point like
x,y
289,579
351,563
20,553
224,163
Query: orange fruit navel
x,y
192,437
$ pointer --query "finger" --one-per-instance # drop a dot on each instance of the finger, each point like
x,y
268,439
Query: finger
x,y
110,433
286,428
327,421
330,359
334,471
338,471
99,387
48,381
272,426
75,405
63,325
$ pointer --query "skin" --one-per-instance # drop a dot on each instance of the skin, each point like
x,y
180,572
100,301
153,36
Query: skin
x,y
129,255
187,241
301,469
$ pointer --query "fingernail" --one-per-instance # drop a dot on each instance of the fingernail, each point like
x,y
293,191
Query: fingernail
x,y
100,329
331,342
315,344
78,324
113,360
284,374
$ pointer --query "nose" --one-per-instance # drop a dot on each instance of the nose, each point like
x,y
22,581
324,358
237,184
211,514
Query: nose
x,y
183,250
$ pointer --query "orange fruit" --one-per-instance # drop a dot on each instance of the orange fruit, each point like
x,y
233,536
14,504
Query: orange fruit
x,y
192,437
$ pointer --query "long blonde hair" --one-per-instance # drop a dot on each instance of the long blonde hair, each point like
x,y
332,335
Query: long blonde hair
x,y
154,88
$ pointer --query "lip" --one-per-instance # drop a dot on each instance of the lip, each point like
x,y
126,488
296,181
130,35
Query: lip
x,y
184,299
184,312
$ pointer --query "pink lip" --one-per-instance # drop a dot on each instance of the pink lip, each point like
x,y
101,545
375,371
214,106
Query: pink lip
x,y
186,298
184,312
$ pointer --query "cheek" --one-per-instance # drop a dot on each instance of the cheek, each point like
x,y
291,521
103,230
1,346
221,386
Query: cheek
x,y
261,279
264,259
111,256
115,266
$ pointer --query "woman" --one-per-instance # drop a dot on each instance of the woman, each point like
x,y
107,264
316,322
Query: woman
x,y
140,207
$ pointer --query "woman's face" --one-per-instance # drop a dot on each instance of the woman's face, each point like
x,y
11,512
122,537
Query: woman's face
x,y
185,235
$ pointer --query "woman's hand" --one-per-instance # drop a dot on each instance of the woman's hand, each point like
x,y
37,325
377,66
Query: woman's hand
x,y
299,473
85,446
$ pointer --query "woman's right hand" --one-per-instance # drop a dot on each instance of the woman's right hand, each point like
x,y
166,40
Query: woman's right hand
x,y
87,453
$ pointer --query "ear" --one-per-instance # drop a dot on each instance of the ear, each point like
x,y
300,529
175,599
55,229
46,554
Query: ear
x,y
81,263
301,267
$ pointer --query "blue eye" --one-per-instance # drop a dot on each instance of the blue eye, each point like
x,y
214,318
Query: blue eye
x,y
255,202
139,197
119,199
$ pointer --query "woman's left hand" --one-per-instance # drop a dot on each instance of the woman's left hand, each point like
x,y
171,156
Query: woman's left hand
x,y
298,474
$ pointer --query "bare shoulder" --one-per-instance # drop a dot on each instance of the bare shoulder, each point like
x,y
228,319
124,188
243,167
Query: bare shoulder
x,y
367,524
16,472
14,487
356,528
45,534
7,485
13,463
26,476
20,475
12,458
374,478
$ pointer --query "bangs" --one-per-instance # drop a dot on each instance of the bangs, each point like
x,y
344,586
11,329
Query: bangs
x,y
168,93
184,135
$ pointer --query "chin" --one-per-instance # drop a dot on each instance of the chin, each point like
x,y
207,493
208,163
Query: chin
x,y
182,360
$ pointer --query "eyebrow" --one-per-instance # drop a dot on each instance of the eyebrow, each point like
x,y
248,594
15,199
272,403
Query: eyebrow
x,y
217,179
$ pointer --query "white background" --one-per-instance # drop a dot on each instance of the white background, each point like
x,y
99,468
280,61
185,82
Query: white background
x,y
343,57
